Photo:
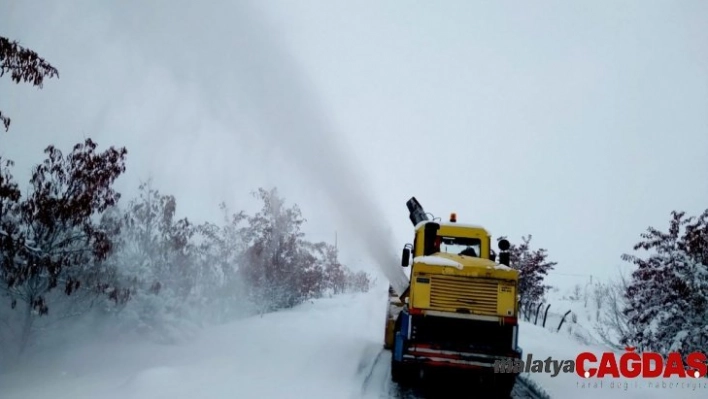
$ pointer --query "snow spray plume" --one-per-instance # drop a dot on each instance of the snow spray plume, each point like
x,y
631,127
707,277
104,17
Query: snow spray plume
x,y
289,117
239,68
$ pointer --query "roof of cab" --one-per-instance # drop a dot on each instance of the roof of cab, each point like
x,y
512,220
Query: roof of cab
x,y
451,224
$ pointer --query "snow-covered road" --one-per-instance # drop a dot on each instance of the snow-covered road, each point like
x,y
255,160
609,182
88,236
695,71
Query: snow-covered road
x,y
327,349
377,384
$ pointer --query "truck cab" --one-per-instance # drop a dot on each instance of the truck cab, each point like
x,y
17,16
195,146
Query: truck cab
x,y
460,310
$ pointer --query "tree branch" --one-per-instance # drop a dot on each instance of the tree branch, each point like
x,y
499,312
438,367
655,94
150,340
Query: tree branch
x,y
24,65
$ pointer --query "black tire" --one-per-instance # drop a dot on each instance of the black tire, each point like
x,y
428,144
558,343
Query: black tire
x,y
403,374
504,384
397,372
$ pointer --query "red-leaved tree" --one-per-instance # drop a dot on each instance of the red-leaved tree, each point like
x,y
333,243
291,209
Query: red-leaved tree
x,y
51,239
533,266
24,65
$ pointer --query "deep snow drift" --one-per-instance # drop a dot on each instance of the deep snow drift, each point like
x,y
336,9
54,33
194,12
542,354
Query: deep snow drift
x,y
312,351
323,349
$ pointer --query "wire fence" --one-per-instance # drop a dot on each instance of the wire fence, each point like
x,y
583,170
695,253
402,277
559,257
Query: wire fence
x,y
556,320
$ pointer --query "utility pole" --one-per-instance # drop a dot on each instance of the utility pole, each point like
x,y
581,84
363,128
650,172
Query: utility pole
x,y
335,240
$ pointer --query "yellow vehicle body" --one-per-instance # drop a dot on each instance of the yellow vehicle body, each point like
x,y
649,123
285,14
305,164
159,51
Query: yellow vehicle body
x,y
395,305
482,288
478,289
461,307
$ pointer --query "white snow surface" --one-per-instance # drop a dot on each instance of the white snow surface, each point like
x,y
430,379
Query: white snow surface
x,y
542,343
324,349
500,266
433,260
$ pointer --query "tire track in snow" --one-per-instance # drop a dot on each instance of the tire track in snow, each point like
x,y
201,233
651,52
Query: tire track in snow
x,y
371,369
526,389
377,382
375,374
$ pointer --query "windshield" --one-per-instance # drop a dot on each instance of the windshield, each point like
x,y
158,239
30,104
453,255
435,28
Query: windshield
x,y
460,245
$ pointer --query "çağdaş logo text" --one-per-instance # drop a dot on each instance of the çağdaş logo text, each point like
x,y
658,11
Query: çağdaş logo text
x,y
628,365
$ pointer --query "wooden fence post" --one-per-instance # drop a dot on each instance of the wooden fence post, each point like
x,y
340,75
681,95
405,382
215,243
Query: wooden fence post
x,y
562,320
545,314
535,321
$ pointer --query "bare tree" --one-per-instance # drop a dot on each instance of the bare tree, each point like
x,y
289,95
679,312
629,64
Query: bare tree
x,y
599,293
612,323
575,296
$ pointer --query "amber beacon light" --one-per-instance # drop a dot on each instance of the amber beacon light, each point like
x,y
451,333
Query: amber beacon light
x,y
453,217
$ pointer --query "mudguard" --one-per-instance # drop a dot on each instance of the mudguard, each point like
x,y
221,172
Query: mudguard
x,y
401,335
405,323
398,347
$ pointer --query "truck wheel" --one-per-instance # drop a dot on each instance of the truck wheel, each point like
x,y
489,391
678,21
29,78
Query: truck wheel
x,y
504,384
402,374
397,372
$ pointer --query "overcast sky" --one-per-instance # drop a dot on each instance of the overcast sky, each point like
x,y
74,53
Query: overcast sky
x,y
581,123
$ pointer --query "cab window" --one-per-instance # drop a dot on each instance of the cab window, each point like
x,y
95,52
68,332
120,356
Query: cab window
x,y
460,245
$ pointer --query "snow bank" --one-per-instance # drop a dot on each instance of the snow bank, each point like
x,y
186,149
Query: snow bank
x,y
585,314
313,351
437,261
541,344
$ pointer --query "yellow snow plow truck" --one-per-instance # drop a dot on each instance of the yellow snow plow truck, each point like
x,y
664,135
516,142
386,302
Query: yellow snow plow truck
x,y
460,310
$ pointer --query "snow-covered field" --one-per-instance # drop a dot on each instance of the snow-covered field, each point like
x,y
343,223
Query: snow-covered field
x,y
324,349
542,343
579,334
585,314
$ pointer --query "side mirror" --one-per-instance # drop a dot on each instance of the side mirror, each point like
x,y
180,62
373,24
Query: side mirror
x,y
492,256
406,256
504,255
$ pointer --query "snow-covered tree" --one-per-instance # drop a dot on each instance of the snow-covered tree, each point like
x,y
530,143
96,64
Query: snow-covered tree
x,y
533,266
309,279
331,273
220,249
280,268
612,323
358,281
599,294
667,296
157,261
52,245
10,249
271,261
